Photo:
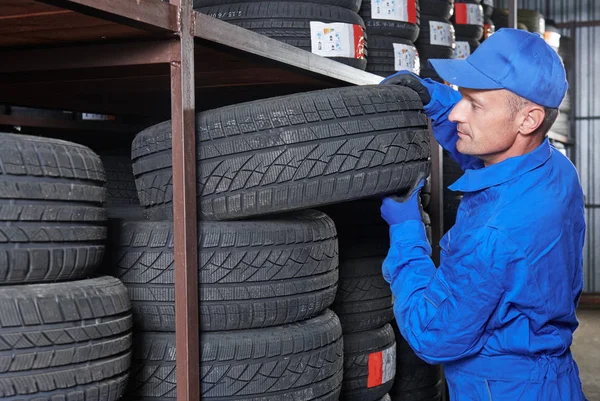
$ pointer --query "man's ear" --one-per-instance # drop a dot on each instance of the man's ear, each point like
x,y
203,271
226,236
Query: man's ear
x,y
534,117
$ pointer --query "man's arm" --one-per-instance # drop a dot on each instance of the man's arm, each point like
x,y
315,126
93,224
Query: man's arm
x,y
438,100
442,313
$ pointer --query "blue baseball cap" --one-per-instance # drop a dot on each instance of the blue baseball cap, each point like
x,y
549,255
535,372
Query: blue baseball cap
x,y
512,59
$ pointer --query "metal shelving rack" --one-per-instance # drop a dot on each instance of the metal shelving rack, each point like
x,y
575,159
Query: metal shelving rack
x,y
145,58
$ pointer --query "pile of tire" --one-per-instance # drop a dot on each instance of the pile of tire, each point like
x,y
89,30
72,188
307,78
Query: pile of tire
x,y
468,21
392,28
436,35
488,25
527,20
66,333
328,28
267,259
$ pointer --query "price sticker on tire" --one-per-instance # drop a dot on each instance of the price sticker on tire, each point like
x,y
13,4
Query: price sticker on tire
x,y
395,10
441,33
406,58
337,40
462,50
468,14
382,366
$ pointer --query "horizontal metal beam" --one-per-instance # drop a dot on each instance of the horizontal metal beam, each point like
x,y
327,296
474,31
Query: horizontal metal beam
x,y
70,125
221,32
578,24
149,15
87,56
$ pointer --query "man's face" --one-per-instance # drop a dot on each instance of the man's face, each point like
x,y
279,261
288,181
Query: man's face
x,y
485,123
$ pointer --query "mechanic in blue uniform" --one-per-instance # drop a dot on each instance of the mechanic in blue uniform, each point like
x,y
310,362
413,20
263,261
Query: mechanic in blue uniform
x,y
499,312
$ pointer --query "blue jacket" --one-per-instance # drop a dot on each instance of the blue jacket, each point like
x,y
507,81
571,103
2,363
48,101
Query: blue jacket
x,y
501,306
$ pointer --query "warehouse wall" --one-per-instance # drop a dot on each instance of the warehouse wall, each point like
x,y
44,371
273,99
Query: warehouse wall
x,y
585,83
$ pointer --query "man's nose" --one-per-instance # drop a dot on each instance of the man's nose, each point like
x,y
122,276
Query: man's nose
x,y
457,114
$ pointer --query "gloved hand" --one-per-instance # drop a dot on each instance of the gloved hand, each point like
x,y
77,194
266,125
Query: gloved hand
x,y
408,79
395,210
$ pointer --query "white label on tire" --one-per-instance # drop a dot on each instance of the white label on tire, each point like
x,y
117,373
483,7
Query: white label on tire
x,y
395,10
441,33
462,50
489,3
389,364
470,14
406,58
381,367
337,39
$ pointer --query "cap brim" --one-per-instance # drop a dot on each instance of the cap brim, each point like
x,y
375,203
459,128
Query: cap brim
x,y
462,73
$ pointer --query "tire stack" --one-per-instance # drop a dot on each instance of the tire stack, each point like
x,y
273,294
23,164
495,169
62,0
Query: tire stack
x,y
488,25
392,28
64,336
436,34
267,264
468,20
527,20
330,28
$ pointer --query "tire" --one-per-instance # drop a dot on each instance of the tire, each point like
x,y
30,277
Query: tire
x,y
533,20
487,10
488,28
500,17
383,127
52,223
427,52
468,30
353,5
65,341
364,299
437,8
426,193
377,348
430,73
286,21
399,29
382,60
303,360
252,274
120,184
416,380
425,35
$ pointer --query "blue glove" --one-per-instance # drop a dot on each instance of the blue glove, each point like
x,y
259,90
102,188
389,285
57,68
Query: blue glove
x,y
396,211
423,87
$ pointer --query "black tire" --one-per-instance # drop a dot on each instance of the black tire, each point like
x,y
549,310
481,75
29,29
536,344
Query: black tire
x,y
425,33
398,29
430,73
120,184
382,126
364,299
427,52
473,30
500,18
382,60
252,274
416,380
437,8
303,360
52,223
361,349
532,19
286,21
65,341
426,193
353,5
487,10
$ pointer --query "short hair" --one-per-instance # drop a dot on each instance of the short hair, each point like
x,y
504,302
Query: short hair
x,y
516,103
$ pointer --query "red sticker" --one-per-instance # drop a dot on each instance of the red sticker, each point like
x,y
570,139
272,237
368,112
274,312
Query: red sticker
x,y
359,42
375,377
412,11
460,13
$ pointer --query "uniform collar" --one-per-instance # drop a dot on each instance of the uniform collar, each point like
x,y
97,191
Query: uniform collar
x,y
499,173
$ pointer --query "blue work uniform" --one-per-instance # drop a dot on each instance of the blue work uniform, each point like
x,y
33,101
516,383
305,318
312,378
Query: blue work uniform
x,y
499,312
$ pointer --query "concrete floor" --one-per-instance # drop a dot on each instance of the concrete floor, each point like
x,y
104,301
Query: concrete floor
x,y
586,349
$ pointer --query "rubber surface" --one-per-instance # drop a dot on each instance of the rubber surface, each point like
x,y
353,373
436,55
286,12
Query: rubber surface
x,y
292,152
398,29
52,223
252,274
381,54
352,5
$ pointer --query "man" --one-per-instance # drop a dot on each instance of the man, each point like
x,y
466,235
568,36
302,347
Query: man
x,y
499,312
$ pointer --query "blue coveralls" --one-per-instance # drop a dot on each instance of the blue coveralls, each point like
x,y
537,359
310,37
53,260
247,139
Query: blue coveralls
x,y
499,312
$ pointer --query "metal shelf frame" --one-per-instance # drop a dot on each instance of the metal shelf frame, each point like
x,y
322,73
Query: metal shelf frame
x,y
145,47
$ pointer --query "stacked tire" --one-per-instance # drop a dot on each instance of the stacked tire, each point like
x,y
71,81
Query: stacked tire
x,y
267,262
488,24
330,28
468,20
436,35
392,28
65,335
